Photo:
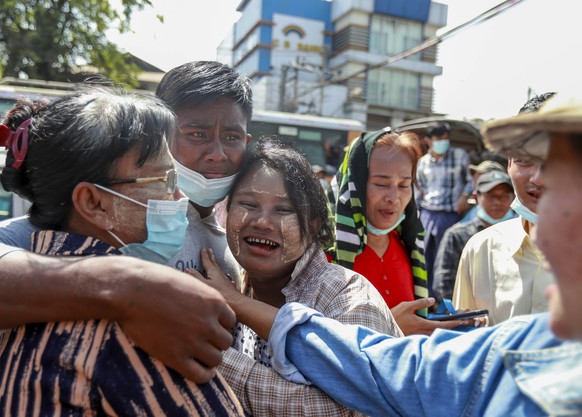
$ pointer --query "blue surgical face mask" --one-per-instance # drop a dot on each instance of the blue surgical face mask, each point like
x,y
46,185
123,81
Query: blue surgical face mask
x,y
380,232
166,225
523,211
483,215
200,190
441,146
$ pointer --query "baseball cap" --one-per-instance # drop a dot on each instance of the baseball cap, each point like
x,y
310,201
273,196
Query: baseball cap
x,y
527,136
486,166
489,180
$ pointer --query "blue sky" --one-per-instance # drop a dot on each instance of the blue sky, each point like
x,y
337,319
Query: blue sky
x,y
487,69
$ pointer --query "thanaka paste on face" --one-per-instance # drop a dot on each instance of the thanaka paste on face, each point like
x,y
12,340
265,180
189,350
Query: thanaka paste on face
x,y
253,187
237,217
136,222
293,247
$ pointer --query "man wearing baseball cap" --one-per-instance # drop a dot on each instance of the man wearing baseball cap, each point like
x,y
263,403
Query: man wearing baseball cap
x,y
476,171
494,194
527,366
501,268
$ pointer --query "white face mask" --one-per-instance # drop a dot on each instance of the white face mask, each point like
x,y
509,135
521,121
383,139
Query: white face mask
x,y
523,211
380,232
200,190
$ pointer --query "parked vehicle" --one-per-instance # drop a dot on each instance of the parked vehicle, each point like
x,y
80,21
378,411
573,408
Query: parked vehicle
x,y
320,139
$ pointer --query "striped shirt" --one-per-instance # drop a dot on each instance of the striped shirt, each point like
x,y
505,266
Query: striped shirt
x,y
91,368
443,180
336,292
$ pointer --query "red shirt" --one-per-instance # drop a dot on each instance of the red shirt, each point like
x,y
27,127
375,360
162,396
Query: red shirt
x,y
391,274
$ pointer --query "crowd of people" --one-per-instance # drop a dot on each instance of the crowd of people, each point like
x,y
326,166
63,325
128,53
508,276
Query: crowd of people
x,y
167,267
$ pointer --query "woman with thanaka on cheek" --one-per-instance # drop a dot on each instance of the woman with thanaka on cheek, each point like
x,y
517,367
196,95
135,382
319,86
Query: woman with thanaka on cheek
x,y
277,227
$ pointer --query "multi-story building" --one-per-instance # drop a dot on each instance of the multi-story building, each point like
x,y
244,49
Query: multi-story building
x,y
324,57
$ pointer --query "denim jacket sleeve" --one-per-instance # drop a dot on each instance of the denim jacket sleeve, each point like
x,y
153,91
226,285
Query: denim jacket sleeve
x,y
448,374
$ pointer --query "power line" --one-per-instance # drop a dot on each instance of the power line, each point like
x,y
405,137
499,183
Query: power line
x,y
435,40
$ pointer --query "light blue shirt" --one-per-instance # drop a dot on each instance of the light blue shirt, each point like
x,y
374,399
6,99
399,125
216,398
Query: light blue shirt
x,y
517,368
15,234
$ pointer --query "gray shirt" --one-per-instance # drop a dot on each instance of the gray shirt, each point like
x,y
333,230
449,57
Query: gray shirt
x,y
205,233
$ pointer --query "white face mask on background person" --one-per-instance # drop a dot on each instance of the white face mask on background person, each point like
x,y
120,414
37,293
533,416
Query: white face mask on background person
x,y
202,191
380,232
523,211
441,146
166,224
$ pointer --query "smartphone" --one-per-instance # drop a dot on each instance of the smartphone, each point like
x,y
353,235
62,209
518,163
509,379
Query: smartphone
x,y
461,316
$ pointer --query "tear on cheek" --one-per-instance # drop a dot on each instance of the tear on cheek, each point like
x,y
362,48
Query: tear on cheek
x,y
236,218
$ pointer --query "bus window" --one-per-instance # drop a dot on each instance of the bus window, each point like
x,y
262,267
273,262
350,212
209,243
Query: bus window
x,y
5,105
5,204
320,139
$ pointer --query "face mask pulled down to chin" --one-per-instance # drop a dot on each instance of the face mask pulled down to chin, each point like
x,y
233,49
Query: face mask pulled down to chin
x,y
523,211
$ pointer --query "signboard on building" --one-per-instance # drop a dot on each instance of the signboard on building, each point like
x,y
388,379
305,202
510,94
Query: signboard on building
x,y
297,37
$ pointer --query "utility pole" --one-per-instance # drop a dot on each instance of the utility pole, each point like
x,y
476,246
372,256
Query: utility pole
x,y
296,86
283,87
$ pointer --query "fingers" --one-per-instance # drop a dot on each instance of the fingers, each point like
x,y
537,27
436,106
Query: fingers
x,y
427,327
228,318
195,274
417,304
208,258
192,369
197,373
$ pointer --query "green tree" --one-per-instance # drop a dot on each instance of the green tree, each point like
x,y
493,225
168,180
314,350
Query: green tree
x,y
50,39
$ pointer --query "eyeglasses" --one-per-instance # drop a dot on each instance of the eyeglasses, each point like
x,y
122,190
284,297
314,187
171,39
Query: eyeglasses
x,y
171,180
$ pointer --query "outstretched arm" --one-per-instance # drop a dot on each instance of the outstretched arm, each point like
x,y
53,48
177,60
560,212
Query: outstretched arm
x,y
173,317
379,375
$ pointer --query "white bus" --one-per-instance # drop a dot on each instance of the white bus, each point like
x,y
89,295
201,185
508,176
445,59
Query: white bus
x,y
320,139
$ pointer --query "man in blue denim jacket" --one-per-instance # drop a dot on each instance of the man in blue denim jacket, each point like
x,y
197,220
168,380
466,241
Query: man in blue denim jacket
x,y
527,366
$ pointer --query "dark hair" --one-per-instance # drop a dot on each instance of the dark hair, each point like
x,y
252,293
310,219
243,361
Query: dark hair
x,y
77,138
534,103
301,183
200,82
437,128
